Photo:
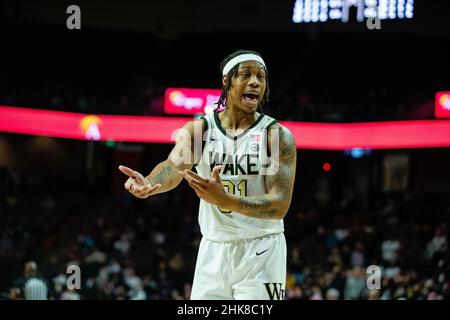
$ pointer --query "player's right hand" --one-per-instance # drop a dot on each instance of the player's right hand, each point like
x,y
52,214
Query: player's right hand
x,y
137,184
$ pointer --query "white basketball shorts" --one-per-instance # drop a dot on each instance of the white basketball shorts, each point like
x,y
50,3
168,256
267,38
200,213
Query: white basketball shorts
x,y
252,269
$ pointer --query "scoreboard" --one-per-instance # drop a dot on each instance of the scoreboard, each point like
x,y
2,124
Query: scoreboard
x,y
313,11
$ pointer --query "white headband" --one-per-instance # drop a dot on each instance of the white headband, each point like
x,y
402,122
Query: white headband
x,y
241,58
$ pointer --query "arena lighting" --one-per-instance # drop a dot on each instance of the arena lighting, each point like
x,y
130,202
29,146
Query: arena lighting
x,y
442,104
326,167
357,153
308,135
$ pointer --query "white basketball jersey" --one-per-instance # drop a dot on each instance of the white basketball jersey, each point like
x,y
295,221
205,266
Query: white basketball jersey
x,y
243,158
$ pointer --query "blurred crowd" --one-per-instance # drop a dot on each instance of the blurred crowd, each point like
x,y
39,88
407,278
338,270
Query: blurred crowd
x,y
406,244
371,104
146,249
311,78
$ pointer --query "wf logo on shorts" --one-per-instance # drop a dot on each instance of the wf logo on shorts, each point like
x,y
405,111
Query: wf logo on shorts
x,y
275,291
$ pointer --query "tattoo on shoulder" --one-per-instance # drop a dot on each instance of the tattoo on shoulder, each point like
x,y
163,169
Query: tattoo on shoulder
x,y
288,151
287,144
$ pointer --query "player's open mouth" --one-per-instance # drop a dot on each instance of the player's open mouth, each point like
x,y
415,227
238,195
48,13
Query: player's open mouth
x,y
251,98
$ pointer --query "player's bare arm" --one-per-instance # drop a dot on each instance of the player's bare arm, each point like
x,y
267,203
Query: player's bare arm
x,y
272,205
165,177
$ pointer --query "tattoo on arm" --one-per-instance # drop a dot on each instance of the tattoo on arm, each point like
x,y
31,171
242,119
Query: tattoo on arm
x,y
162,176
279,186
261,204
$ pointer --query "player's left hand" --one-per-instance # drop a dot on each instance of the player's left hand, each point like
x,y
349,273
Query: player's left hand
x,y
211,190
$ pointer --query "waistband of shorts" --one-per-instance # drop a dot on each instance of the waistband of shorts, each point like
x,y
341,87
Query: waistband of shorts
x,y
270,235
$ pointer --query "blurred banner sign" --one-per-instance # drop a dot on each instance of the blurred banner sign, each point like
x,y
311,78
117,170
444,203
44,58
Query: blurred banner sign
x,y
190,101
307,135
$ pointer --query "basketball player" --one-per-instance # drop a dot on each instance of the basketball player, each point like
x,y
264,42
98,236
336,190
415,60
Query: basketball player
x,y
244,180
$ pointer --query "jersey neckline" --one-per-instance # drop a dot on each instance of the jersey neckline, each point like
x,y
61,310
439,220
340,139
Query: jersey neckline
x,y
221,129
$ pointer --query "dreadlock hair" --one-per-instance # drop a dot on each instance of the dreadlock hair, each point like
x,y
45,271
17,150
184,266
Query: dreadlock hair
x,y
232,74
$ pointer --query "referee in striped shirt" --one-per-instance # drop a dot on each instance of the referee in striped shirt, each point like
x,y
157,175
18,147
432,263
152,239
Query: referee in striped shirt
x,y
35,288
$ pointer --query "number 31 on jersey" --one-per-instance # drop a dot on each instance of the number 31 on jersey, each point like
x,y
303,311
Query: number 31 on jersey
x,y
230,187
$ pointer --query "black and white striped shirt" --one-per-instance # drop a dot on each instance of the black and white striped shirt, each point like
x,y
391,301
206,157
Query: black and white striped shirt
x,y
35,289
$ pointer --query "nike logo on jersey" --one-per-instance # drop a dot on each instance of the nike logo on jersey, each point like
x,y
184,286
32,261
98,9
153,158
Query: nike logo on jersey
x,y
260,253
